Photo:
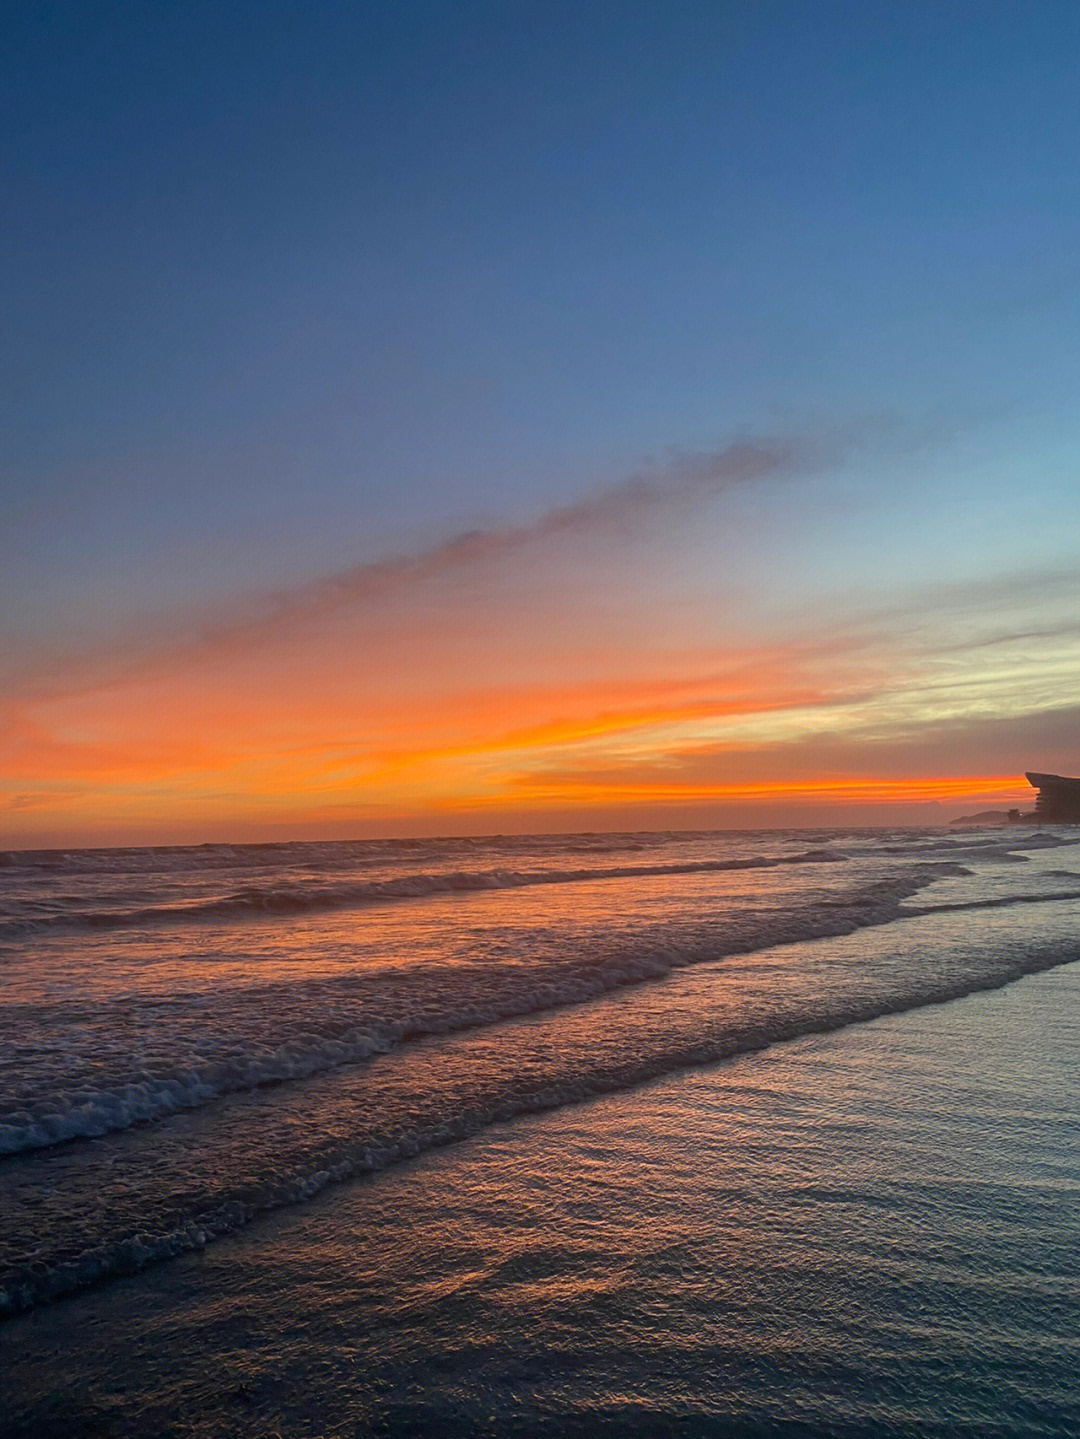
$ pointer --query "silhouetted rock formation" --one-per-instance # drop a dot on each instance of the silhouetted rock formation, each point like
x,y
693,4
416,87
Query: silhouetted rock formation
x,y
1059,798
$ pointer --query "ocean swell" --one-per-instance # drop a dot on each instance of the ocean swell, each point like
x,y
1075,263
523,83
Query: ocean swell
x,y
452,1088
281,1033
269,900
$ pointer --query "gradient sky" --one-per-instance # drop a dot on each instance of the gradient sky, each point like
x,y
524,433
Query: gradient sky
x,y
446,417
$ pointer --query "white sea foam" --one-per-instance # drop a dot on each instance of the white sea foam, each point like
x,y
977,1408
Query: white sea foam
x,y
512,1072
272,1035
219,1065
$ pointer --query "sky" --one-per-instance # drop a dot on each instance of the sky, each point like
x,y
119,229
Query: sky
x,y
439,418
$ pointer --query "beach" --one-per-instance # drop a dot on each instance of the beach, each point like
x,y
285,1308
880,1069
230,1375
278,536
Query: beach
x,y
539,713
681,1133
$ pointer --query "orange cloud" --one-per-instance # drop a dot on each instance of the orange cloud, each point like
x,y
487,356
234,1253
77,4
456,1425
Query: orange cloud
x,y
491,677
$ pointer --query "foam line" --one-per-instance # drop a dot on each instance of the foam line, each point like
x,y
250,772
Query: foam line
x,y
269,900
224,1207
343,1022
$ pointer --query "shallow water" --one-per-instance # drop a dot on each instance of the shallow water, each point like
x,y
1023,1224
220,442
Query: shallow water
x,y
869,1232
193,1039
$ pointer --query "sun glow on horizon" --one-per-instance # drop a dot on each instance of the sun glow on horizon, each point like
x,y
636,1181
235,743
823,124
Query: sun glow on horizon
x,y
624,434
289,741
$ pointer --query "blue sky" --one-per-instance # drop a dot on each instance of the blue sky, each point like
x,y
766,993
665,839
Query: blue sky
x,y
290,288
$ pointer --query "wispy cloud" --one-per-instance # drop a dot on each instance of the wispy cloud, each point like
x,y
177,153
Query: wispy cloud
x,y
542,667
683,481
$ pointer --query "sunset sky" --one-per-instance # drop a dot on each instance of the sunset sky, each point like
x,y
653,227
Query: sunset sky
x,y
457,417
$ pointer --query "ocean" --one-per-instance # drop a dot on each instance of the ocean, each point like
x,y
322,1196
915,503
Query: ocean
x,y
749,1133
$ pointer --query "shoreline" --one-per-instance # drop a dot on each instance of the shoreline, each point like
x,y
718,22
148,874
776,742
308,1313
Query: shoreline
x,y
376,1279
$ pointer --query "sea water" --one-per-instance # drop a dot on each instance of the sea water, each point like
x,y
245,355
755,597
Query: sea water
x,y
195,1038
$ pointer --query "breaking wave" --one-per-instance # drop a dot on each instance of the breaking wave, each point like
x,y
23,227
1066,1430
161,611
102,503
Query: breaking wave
x,y
255,900
545,1077
270,1036
224,1061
